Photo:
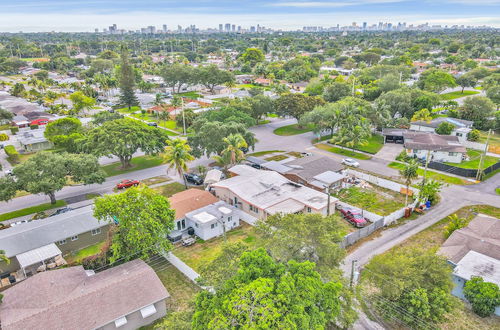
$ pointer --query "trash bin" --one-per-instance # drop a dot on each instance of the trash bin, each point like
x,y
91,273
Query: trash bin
x,y
428,204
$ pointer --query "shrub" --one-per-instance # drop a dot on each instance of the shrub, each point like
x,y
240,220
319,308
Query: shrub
x,y
4,137
473,135
445,128
483,296
34,126
403,156
12,153
454,224
14,130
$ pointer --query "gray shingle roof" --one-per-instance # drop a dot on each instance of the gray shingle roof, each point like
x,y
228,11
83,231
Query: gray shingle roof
x,y
37,233
431,141
311,166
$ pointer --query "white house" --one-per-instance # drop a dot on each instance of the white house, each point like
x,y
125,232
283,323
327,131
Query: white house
x,y
213,220
262,193
442,148
462,127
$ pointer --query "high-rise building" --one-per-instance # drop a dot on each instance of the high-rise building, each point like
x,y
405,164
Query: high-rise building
x,y
233,28
239,28
96,30
364,25
227,27
252,29
165,29
220,27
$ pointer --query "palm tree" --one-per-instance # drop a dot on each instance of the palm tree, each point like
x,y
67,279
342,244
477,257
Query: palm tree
x,y
177,155
223,160
163,116
409,173
234,142
423,115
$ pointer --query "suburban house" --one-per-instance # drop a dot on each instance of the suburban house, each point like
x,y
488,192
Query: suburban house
x,y
39,245
127,296
442,148
462,127
474,251
33,140
316,172
20,121
262,193
243,78
200,213
263,81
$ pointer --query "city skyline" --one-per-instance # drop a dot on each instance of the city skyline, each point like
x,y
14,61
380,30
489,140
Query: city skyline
x,y
72,16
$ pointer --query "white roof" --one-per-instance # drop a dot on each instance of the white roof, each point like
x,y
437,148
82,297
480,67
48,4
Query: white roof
x,y
38,255
225,210
213,176
276,166
329,177
287,206
477,264
267,188
204,217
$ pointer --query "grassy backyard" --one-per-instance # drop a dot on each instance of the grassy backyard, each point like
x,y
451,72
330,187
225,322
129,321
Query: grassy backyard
x,y
292,130
168,124
168,190
204,251
456,95
343,152
31,210
475,157
191,95
276,158
385,201
78,256
434,175
138,163
373,145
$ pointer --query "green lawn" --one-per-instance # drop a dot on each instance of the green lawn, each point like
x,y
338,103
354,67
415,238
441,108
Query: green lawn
x,y
344,152
473,163
155,180
497,191
31,210
494,138
138,163
191,95
263,122
169,124
456,95
262,153
276,158
127,110
434,175
170,189
272,115
386,201
78,256
292,130
374,144
5,127
204,251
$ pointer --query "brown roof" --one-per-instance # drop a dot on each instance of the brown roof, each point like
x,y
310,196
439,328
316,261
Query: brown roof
x,y
309,167
70,299
431,141
481,235
189,200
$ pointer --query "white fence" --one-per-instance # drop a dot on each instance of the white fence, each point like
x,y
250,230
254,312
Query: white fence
x,y
368,215
474,145
384,183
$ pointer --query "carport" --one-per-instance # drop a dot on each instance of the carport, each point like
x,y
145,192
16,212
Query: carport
x,y
394,135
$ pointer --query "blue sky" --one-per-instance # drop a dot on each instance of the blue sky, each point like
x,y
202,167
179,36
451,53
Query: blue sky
x,y
71,15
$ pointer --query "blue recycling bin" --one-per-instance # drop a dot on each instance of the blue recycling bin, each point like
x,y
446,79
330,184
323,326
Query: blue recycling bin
x,y
428,204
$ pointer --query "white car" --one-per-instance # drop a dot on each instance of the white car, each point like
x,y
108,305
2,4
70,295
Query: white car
x,y
350,162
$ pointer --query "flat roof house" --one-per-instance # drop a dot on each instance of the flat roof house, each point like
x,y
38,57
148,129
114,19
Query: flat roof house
x,y
34,140
127,296
39,244
443,148
261,193
474,251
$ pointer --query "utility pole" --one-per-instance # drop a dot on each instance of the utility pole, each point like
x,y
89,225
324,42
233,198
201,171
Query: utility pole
x,y
353,264
328,191
481,161
427,159
183,117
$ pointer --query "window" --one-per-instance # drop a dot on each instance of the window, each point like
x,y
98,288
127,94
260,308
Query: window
x,y
254,209
212,226
62,242
415,151
181,224
121,321
229,219
309,210
459,134
74,238
452,154
96,231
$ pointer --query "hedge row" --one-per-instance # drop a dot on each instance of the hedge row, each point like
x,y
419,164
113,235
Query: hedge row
x,y
12,153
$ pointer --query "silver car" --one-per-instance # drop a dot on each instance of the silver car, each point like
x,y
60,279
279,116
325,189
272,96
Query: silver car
x,y
350,162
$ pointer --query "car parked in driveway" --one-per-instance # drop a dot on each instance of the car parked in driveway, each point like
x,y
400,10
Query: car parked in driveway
x,y
154,124
127,184
61,211
354,216
193,178
350,162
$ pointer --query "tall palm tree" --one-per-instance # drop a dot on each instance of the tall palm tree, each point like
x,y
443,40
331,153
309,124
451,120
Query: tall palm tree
x,y
177,155
409,172
234,142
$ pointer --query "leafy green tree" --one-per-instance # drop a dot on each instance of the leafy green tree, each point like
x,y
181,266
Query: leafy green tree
x,y
323,117
435,80
48,172
336,91
226,114
422,115
252,56
295,105
211,76
65,132
81,102
177,156
18,90
267,294
445,128
474,135
409,173
104,116
208,139
483,296
5,115
397,102
493,93
234,144
466,80
315,87
127,81
455,222
478,109
289,237
122,138
180,320
489,81
178,75
430,190
144,219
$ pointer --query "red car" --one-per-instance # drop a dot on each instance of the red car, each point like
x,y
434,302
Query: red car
x,y
127,184
354,217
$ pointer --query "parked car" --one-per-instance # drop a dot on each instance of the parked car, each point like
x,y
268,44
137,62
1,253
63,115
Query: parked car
x,y
17,223
127,184
350,162
306,154
61,211
354,216
153,124
244,149
257,166
193,178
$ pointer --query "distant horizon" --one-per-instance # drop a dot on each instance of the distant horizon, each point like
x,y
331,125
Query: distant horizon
x,y
287,15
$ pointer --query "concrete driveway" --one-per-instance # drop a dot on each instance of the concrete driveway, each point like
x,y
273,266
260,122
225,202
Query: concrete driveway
x,y
389,151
